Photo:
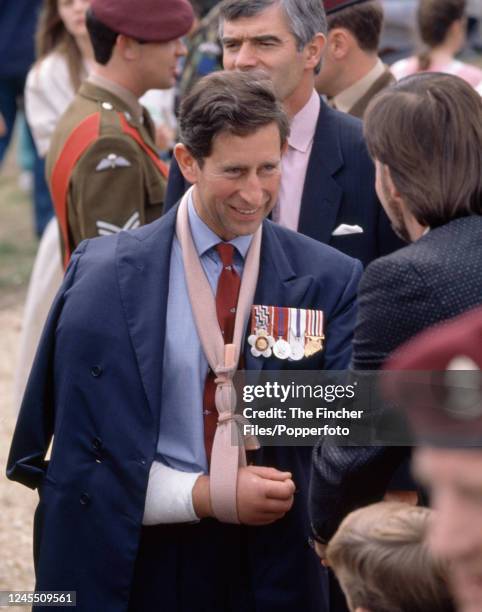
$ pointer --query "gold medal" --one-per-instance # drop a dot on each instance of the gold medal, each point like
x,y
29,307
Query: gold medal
x,y
261,344
313,345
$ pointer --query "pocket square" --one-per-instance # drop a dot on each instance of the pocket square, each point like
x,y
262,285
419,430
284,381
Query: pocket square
x,y
345,230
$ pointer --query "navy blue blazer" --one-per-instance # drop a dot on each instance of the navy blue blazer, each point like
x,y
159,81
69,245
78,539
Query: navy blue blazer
x,y
96,387
339,188
432,280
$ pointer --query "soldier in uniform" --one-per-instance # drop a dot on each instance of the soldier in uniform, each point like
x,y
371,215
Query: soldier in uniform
x,y
352,73
103,169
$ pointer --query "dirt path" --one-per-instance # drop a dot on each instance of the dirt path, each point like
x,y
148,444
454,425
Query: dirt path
x,y
17,503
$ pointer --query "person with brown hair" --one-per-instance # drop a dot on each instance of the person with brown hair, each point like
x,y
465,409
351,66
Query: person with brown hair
x,y
383,563
425,135
352,73
64,54
442,28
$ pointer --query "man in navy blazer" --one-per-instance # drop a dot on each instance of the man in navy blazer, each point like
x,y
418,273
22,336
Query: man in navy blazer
x,y
327,190
115,346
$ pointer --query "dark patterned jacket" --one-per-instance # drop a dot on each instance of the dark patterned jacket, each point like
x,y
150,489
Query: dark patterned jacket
x,y
434,279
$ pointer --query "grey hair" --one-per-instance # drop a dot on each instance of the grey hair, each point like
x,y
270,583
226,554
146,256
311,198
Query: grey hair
x,y
306,18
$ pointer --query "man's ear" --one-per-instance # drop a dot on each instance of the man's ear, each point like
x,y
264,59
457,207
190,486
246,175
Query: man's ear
x,y
128,47
187,164
339,40
314,50
389,185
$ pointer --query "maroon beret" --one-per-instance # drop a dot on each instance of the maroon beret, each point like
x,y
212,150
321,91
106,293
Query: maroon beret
x,y
438,382
332,6
147,20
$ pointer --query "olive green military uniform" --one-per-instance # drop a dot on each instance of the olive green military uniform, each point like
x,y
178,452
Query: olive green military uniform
x,y
383,81
114,185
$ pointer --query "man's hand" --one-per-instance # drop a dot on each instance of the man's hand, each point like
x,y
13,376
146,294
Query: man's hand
x,y
264,495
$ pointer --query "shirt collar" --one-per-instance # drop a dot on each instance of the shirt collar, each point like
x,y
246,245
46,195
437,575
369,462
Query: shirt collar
x,y
124,94
303,125
205,239
346,99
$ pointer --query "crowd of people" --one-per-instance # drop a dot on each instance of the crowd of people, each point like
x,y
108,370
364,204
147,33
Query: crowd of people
x,y
249,185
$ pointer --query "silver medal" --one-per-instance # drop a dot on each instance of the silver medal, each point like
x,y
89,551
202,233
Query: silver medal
x,y
282,349
297,350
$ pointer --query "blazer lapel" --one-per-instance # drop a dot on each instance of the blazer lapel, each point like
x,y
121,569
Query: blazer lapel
x,y
143,272
278,285
321,194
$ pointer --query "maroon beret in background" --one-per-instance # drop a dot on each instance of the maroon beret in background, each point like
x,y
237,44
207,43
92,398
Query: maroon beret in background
x,y
147,20
332,6
437,382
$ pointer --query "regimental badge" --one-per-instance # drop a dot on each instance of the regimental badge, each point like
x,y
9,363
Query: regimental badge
x,y
112,161
286,333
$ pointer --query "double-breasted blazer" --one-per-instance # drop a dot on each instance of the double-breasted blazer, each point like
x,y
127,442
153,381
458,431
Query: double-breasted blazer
x,y
96,387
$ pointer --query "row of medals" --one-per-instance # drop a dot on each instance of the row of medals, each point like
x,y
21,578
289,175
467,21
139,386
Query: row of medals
x,y
282,349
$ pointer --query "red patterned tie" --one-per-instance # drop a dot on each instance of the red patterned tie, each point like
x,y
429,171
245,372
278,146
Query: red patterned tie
x,y
226,302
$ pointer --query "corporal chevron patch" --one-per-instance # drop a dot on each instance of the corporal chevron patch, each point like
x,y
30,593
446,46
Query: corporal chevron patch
x,y
105,228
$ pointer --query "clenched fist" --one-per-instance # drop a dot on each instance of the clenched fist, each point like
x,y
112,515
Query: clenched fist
x,y
263,495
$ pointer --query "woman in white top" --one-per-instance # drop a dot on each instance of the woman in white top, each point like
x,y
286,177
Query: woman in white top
x,y
64,54
442,25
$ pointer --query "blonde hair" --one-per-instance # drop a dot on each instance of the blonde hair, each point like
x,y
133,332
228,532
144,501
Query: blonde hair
x,y
383,563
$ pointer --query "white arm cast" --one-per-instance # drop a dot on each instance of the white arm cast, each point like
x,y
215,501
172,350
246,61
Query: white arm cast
x,y
169,496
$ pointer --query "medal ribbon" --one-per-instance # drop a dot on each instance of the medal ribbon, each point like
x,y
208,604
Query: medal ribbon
x,y
318,323
281,323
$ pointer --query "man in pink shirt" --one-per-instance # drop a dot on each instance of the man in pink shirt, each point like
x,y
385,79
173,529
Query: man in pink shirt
x,y
327,189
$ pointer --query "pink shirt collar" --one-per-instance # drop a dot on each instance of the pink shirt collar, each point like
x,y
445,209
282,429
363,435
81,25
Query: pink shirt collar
x,y
303,125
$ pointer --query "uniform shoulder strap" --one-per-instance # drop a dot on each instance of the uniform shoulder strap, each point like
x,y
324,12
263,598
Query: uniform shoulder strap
x,y
131,131
78,141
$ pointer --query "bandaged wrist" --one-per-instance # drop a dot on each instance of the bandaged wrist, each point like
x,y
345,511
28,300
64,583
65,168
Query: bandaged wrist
x,y
169,496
